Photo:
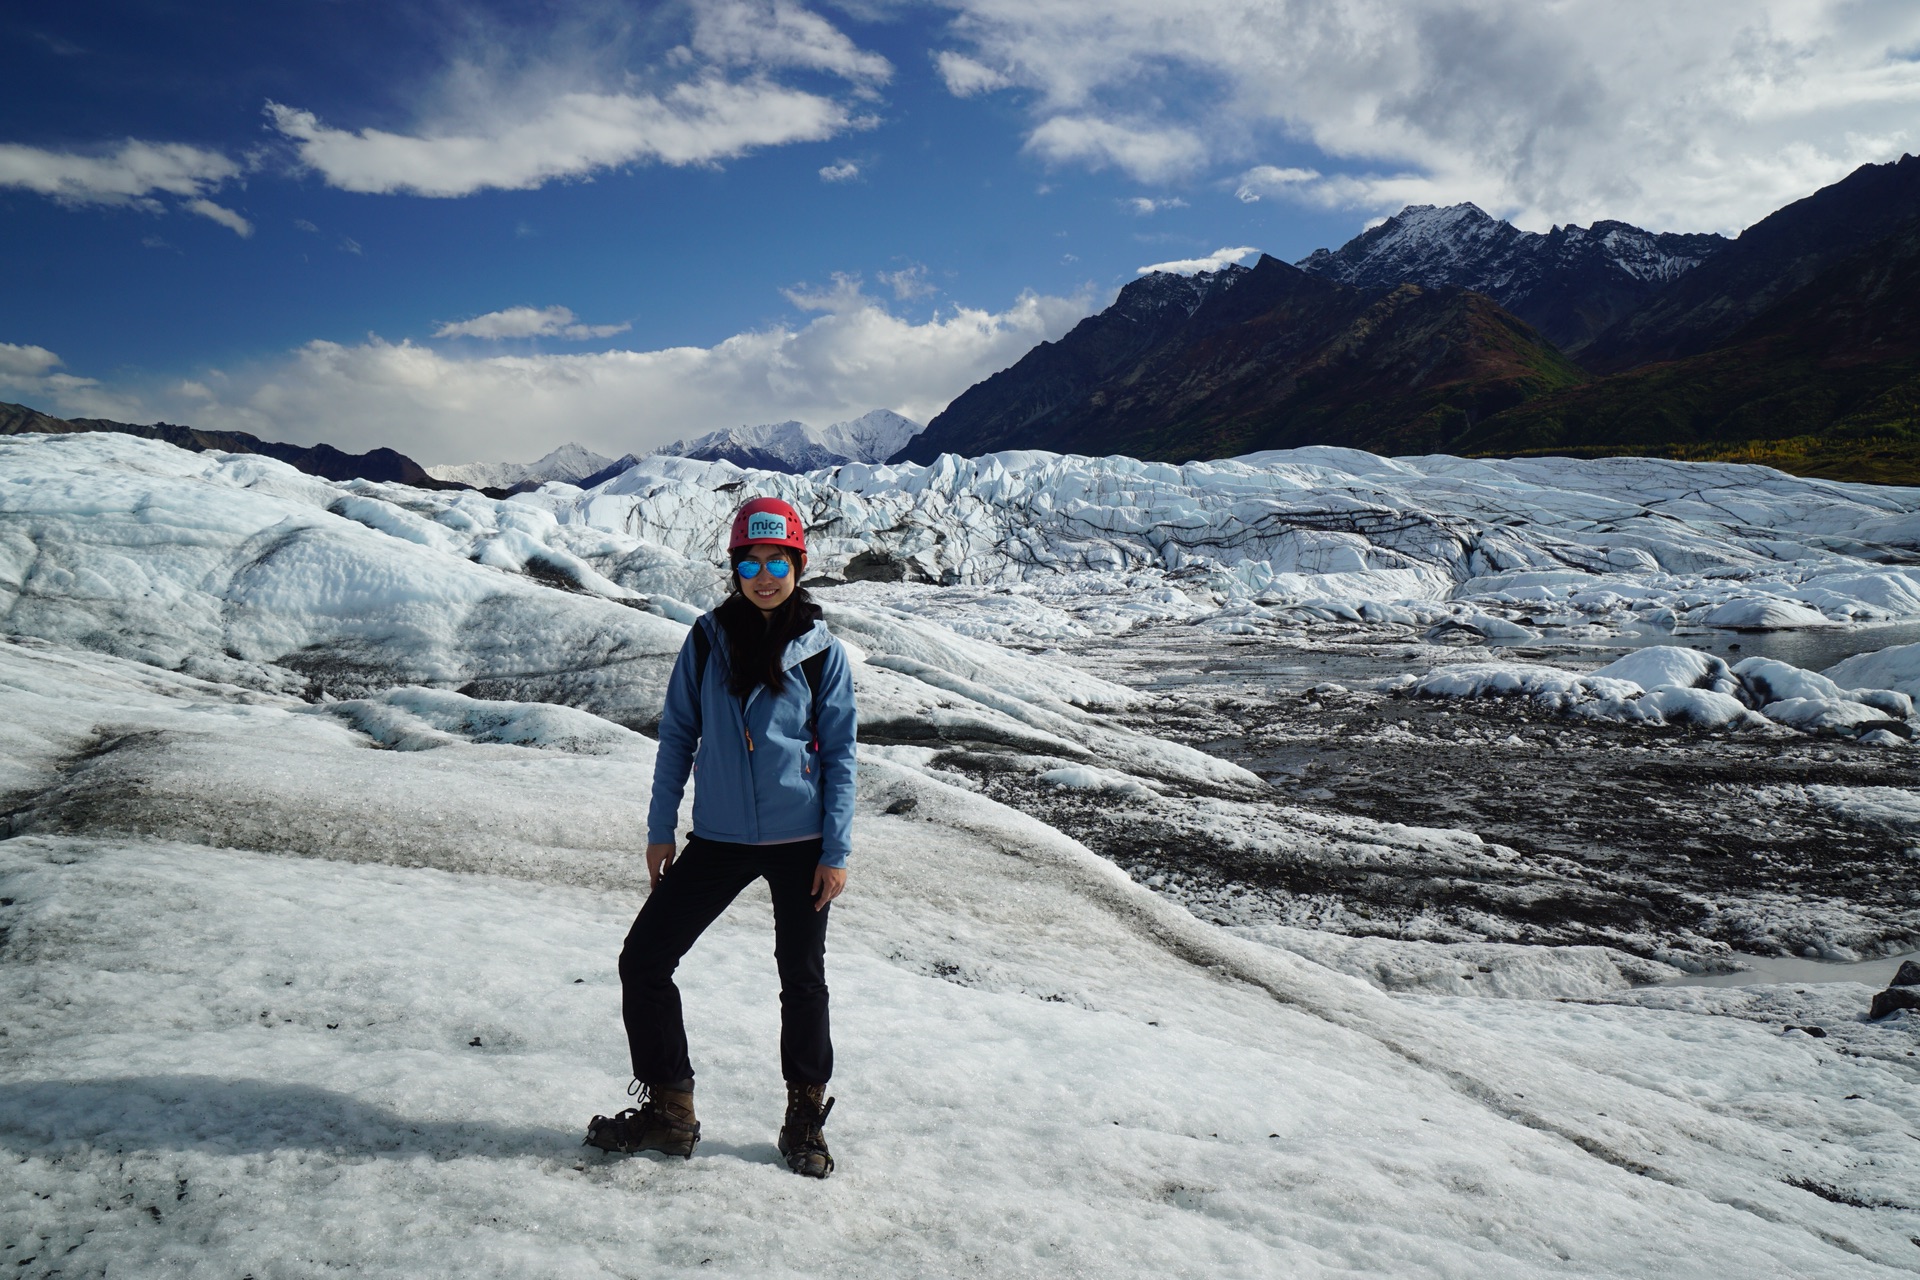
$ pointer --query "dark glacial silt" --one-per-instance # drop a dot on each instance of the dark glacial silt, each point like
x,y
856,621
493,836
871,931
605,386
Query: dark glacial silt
x,y
1660,841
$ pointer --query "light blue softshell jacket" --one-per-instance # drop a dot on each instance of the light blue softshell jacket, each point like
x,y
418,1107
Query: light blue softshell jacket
x,y
780,790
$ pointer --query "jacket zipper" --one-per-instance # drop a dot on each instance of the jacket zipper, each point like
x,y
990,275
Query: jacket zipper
x,y
807,766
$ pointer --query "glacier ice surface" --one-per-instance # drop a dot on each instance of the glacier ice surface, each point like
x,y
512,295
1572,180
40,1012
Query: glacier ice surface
x,y
320,815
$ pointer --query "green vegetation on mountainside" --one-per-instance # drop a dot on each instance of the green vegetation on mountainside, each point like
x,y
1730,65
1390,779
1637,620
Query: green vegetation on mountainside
x,y
1867,461
1764,396
1410,375
1825,383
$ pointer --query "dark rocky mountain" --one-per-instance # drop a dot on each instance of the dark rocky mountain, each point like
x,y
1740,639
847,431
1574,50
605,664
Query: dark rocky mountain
x,y
1795,345
321,460
1773,258
1825,381
1051,381
1255,358
1570,283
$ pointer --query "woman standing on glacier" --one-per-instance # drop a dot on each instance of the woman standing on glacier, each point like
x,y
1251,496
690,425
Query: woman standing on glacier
x,y
760,709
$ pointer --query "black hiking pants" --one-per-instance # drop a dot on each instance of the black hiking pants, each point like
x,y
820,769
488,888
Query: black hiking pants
x,y
705,877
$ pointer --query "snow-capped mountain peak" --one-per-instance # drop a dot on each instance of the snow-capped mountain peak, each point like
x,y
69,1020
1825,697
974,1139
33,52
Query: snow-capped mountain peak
x,y
1568,282
871,437
1424,244
795,446
776,446
571,462
1647,256
1161,291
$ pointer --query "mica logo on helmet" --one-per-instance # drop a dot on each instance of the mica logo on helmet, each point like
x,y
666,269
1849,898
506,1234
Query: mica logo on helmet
x,y
766,525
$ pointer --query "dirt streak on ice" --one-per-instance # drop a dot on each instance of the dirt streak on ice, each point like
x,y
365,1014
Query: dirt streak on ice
x,y
314,890
263,1060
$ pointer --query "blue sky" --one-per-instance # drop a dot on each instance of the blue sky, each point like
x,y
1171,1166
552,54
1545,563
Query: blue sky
x,y
474,232
683,254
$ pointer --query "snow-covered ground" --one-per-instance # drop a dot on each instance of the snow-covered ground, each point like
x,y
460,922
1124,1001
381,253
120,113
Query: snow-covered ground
x,y
264,1059
322,810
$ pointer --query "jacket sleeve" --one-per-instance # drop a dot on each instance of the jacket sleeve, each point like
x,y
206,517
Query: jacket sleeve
x,y
838,726
679,735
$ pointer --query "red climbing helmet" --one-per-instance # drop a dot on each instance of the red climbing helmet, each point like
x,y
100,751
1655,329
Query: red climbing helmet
x,y
767,520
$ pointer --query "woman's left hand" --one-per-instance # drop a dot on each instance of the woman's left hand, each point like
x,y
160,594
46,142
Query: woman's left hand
x,y
828,884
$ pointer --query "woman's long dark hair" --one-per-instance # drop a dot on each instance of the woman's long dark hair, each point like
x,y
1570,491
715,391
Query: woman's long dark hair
x,y
755,642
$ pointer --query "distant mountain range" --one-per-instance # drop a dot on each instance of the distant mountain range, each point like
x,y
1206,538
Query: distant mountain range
x,y
1796,344
792,447
783,446
1824,381
1265,357
1773,258
1448,330
318,460
570,462
796,447
1571,283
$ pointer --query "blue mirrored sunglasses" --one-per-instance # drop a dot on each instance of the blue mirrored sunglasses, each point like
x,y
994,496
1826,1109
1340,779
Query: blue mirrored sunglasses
x,y
750,569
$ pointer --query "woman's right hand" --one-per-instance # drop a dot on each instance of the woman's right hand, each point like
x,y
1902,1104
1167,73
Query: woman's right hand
x,y
659,858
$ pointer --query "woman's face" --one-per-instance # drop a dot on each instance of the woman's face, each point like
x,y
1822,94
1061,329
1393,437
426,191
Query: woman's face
x,y
764,589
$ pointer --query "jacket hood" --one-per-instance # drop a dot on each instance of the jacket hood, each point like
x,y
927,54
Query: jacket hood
x,y
805,645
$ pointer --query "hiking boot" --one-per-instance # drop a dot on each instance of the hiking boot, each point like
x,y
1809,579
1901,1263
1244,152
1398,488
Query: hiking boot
x,y
801,1141
662,1122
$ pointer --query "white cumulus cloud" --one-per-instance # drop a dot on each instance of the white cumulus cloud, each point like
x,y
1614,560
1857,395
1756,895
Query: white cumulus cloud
x,y
441,406
844,294
1705,115
779,34
29,370
571,135
527,322
517,110
220,214
24,360
121,176
1190,266
132,173
965,77
1148,153
1145,205
839,171
1265,179
908,283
